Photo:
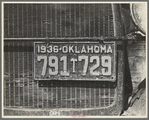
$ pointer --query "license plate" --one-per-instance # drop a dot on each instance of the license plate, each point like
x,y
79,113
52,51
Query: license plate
x,y
92,61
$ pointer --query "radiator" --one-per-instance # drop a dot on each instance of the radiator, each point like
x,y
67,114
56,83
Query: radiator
x,y
25,24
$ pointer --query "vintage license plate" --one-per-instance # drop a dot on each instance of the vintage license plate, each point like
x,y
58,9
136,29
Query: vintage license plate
x,y
92,61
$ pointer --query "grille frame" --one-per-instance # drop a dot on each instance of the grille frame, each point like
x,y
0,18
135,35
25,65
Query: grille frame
x,y
112,110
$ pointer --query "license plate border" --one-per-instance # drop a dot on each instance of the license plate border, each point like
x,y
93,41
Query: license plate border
x,y
114,70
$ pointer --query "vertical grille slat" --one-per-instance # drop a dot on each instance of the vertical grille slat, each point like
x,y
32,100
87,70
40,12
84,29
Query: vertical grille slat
x,y
36,18
99,98
23,85
13,77
32,21
9,75
95,96
75,20
47,96
65,21
34,28
75,96
98,20
56,96
22,20
6,19
58,20
28,86
66,94
71,96
37,94
28,21
108,27
13,12
51,18
90,96
70,18
9,20
55,20
84,22
33,87
6,71
80,95
79,21
104,96
89,21
85,97
44,21
42,97
51,95
18,77
94,20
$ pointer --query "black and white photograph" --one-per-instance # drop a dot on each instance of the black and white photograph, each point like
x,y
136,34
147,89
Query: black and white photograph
x,y
74,59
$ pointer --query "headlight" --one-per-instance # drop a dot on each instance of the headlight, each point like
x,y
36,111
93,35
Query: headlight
x,y
139,15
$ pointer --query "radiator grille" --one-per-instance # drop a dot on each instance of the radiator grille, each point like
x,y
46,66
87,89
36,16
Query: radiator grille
x,y
23,91
57,20
52,21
